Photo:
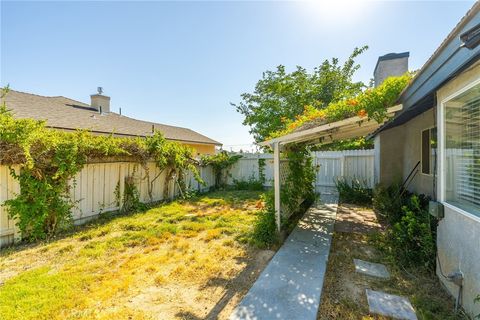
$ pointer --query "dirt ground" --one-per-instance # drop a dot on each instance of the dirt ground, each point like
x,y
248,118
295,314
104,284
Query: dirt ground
x,y
182,260
214,300
344,295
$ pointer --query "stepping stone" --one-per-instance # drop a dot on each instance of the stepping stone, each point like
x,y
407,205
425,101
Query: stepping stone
x,y
390,305
371,269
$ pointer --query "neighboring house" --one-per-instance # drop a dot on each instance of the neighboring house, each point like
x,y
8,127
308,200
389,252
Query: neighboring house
x,y
435,140
66,114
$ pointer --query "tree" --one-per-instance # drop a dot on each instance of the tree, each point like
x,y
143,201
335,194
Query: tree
x,y
281,96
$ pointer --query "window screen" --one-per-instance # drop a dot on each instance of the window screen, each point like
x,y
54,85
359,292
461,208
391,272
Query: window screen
x,y
462,151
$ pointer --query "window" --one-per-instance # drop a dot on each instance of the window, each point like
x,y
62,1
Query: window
x,y
462,150
429,145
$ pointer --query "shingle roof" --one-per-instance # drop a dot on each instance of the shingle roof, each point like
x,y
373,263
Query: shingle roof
x,y
64,113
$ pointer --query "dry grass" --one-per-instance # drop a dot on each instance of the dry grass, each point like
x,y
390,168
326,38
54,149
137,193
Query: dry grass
x,y
344,296
186,259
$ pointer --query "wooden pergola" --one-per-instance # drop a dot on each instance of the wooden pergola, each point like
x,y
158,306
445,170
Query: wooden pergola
x,y
353,127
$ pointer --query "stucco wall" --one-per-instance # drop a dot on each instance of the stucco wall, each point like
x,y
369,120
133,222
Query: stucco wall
x,y
458,241
400,150
202,148
412,152
458,235
389,155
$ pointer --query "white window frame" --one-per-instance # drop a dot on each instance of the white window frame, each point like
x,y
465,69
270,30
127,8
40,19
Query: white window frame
x,y
421,151
441,150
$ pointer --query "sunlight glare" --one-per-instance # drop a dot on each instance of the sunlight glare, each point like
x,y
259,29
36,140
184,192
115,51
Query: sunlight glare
x,y
337,11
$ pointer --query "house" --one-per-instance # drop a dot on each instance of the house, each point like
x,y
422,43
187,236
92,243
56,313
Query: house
x,y
434,145
67,114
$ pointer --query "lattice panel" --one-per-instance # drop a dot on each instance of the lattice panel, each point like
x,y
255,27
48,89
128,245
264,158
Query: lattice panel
x,y
284,171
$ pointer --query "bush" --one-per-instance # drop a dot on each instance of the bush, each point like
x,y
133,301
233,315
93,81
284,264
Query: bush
x,y
250,184
388,202
265,230
355,192
412,238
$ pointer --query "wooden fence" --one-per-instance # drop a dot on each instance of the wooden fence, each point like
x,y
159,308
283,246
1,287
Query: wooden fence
x,y
330,165
99,187
96,188
349,165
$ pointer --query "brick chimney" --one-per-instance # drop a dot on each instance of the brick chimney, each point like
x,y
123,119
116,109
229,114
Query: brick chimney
x,y
392,64
100,102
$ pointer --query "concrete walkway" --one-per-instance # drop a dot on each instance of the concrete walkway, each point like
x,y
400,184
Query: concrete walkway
x,y
291,285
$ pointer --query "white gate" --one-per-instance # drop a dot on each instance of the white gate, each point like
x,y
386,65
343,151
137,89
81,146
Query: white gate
x,y
349,165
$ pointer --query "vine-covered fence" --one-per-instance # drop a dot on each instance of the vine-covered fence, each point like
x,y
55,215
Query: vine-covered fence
x,y
99,187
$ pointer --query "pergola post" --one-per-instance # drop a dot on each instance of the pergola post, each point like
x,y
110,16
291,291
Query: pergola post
x,y
276,182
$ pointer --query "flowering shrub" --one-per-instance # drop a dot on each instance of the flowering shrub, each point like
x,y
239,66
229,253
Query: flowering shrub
x,y
372,103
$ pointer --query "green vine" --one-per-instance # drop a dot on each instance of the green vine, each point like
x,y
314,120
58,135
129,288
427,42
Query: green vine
x,y
299,183
49,159
220,163
261,170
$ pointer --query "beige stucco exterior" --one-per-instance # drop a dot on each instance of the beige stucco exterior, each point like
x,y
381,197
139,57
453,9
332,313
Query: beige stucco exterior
x,y
389,156
399,150
202,148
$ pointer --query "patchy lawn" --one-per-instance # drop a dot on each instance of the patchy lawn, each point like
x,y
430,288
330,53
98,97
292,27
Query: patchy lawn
x,y
187,259
343,294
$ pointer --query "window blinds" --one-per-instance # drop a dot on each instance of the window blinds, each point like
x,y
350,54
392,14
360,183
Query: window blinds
x,y
462,124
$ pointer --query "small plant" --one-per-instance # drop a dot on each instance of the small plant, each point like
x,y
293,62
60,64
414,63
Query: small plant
x,y
131,196
355,192
265,230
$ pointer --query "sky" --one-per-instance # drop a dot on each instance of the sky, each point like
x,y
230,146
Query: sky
x,y
183,63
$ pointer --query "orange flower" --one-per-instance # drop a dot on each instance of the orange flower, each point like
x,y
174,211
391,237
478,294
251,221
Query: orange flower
x,y
362,113
352,102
